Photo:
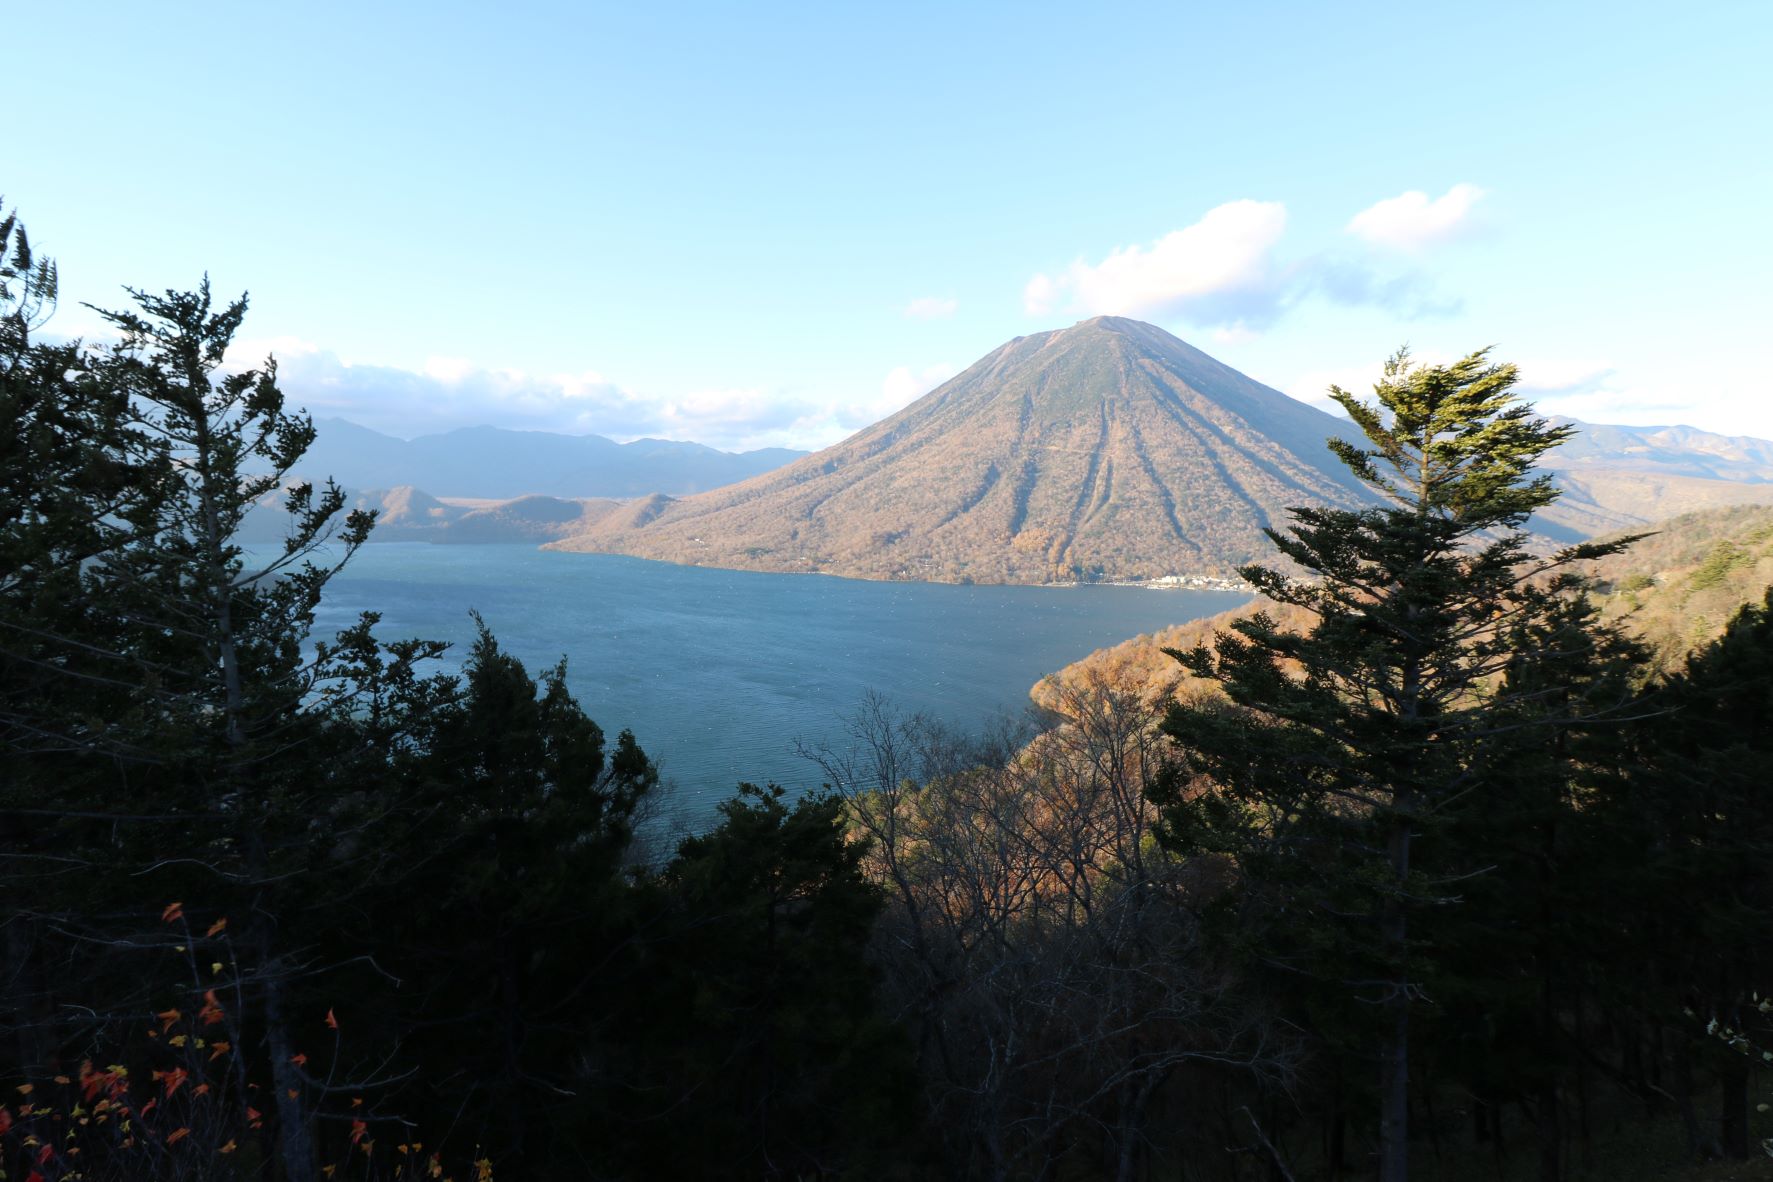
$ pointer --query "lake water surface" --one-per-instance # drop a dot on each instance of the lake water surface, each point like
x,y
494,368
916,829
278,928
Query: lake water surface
x,y
718,672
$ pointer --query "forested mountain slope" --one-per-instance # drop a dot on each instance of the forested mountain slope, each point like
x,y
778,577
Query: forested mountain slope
x,y
1110,449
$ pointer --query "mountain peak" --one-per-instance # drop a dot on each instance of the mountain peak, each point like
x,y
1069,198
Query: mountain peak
x,y
1109,449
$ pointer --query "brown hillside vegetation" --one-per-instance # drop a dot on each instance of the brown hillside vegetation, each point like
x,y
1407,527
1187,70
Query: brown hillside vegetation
x,y
408,514
1140,665
1675,589
1679,587
1107,450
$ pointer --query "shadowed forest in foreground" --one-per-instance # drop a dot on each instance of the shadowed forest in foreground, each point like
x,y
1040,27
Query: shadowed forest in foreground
x,y
1427,868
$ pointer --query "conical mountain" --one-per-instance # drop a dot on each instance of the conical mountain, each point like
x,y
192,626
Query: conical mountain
x,y
1110,449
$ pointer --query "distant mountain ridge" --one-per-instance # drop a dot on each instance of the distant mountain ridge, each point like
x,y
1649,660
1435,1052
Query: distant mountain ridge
x,y
492,462
1669,451
1113,450
1108,450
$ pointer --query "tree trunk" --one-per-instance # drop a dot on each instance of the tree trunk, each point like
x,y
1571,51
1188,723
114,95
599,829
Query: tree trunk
x,y
1394,1049
1698,1144
295,1143
1551,1134
1733,1121
29,997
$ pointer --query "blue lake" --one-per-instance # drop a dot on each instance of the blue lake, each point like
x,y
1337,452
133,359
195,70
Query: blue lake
x,y
719,672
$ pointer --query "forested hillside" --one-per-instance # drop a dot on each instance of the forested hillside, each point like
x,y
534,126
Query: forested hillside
x,y
1429,870
1679,587
1675,589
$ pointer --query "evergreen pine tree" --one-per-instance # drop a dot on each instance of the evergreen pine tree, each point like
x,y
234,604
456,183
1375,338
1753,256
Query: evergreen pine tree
x,y
1704,890
1348,741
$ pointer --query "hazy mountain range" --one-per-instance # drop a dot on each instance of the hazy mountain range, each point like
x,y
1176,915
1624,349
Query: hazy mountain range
x,y
493,463
1108,450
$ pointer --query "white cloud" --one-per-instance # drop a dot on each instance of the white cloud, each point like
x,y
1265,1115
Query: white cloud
x,y
1313,386
1411,221
902,387
932,307
1220,271
1600,393
1548,376
1224,273
1576,387
451,392
1040,296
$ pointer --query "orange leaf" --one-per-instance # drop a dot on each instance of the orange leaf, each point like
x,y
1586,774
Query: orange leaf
x,y
331,1021
149,1107
252,1113
167,1018
228,1148
173,913
212,1012
201,1089
219,926
292,1093
299,1060
218,1048
173,1079
177,1135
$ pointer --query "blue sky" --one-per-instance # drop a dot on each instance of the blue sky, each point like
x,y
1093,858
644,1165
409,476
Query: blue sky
x,y
771,224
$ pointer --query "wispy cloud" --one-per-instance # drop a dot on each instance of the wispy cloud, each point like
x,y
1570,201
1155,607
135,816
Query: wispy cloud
x,y
451,392
1220,271
1412,222
1545,377
932,308
1225,273
899,389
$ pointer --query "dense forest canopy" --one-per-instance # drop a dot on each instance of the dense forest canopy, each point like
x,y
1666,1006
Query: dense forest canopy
x,y
1427,866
